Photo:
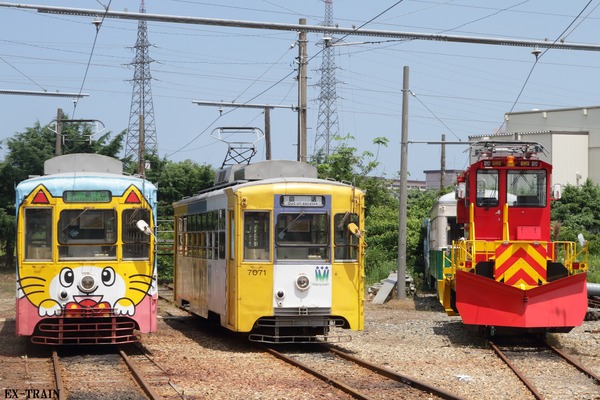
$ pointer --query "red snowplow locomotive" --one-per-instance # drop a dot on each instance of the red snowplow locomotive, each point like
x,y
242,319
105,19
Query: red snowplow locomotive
x,y
506,272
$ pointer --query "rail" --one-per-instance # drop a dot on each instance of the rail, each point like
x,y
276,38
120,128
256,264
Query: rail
x,y
353,391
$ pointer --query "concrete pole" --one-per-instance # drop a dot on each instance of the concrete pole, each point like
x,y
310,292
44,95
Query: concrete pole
x,y
58,146
302,93
141,147
401,288
267,133
443,163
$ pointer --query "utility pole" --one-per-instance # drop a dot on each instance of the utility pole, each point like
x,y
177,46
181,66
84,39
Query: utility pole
x,y
302,93
443,162
141,148
59,117
267,133
401,288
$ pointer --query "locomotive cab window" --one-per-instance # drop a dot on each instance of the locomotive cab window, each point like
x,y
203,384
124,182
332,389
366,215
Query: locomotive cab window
x,y
38,233
346,243
84,233
528,188
487,188
302,236
136,244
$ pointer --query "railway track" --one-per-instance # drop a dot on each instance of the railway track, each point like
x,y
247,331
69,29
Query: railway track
x,y
110,373
356,377
544,369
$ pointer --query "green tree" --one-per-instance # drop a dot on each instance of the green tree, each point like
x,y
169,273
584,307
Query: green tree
x,y
176,180
345,165
578,211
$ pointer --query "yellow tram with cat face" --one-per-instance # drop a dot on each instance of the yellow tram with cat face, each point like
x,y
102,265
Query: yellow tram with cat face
x,y
86,264
274,252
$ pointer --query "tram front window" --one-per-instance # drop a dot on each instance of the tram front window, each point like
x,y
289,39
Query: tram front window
x,y
302,236
38,233
487,188
84,233
136,244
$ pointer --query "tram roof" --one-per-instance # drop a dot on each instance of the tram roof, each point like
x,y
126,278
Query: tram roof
x,y
56,184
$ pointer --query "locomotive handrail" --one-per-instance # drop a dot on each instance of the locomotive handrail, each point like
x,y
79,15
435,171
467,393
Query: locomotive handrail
x,y
464,251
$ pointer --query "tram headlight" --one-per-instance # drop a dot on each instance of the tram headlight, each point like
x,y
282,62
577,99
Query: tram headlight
x,y
302,282
87,284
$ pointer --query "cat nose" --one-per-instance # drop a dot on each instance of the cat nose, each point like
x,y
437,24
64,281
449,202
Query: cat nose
x,y
87,284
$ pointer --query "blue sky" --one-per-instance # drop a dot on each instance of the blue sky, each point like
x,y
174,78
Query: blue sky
x,y
459,89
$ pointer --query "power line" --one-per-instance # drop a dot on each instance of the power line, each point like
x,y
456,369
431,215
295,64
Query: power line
x,y
539,54
98,24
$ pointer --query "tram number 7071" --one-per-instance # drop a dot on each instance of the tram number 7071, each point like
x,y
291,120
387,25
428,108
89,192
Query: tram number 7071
x,y
257,272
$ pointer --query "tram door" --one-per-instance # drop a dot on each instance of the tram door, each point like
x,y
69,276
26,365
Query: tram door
x,y
231,279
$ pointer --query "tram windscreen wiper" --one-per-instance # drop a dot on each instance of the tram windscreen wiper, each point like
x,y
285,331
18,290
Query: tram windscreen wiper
x,y
281,234
75,219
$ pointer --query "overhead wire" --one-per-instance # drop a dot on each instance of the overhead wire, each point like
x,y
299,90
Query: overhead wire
x,y
435,116
22,73
537,58
496,12
87,68
277,83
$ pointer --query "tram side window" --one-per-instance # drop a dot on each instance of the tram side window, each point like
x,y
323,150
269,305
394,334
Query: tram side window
x,y
136,244
526,188
38,233
346,243
256,235
487,188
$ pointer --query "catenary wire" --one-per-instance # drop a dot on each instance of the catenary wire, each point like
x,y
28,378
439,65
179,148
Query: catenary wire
x,y
87,68
537,58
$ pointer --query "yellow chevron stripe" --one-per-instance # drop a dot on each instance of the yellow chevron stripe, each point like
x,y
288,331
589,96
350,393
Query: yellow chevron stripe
x,y
507,257
514,247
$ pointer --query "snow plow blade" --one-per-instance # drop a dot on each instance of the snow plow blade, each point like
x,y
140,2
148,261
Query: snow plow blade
x,y
483,301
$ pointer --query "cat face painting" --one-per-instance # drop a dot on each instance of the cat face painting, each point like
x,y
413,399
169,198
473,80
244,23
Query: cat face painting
x,y
74,291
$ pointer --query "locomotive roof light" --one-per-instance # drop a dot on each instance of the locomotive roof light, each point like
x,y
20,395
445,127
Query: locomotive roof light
x,y
302,282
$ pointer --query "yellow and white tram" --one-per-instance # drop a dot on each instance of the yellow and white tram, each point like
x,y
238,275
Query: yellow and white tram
x,y
274,252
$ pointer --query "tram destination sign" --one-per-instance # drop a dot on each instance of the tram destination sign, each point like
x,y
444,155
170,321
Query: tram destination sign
x,y
302,201
86,196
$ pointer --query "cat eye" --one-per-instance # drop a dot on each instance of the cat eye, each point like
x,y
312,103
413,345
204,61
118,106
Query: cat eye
x,y
66,277
108,276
